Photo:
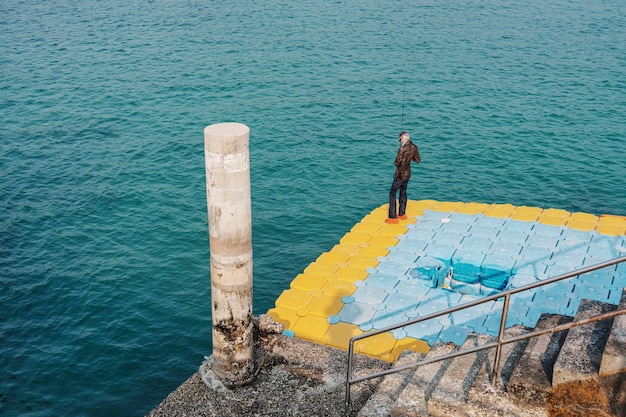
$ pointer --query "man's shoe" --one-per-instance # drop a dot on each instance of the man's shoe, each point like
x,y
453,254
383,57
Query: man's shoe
x,y
403,217
392,220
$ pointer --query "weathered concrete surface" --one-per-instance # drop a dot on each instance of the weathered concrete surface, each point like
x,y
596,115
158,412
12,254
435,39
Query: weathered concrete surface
x,y
614,356
576,388
615,388
486,399
452,392
531,382
613,365
381,402
229,203
454,387
294,378
413,400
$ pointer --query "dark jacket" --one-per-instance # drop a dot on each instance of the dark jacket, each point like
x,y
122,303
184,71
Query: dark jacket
x,y
407,153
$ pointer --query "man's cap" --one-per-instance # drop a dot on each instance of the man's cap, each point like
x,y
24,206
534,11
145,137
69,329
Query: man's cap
x,y
404,132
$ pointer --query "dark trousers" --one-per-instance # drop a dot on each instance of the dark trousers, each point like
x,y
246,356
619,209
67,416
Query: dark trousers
x,y
395,186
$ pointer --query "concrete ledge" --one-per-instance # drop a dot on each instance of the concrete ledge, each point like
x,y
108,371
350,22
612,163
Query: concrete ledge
x,y
581,353
294,378
489,400
614,356
613,365
576,386
392,385
531,381
414,398
452,392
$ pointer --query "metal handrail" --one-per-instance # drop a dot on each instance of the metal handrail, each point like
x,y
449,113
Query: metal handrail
x,y
497,344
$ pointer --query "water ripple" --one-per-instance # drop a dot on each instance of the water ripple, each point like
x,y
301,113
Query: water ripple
x,y
104,258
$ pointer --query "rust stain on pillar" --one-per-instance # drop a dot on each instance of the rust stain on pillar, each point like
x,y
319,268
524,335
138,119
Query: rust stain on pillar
x,y
227,161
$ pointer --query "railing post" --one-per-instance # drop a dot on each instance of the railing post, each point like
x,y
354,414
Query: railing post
x,y
505,311
349,378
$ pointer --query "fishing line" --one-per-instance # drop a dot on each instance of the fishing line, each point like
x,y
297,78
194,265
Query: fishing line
x,y
403,96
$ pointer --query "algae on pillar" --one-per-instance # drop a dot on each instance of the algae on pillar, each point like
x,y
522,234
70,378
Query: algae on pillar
x,y
227,161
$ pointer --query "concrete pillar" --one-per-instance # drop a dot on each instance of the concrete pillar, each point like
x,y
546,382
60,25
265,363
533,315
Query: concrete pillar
x,y
227,161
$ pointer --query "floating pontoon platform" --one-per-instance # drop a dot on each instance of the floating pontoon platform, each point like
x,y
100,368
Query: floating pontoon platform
x,y
446,254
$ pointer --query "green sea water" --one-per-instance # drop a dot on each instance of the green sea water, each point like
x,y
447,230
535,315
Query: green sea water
x,y
104,255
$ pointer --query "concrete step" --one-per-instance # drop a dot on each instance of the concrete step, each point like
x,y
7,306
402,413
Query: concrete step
x,y
413,400
613,365
488,399
531,382
576,388
380,403
561,374
452,390
462,386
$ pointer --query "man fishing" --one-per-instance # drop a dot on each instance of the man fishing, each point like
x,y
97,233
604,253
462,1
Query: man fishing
x,y
408,152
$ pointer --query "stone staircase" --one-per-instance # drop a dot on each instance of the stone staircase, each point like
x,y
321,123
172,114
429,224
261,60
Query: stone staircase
x,y
575,372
